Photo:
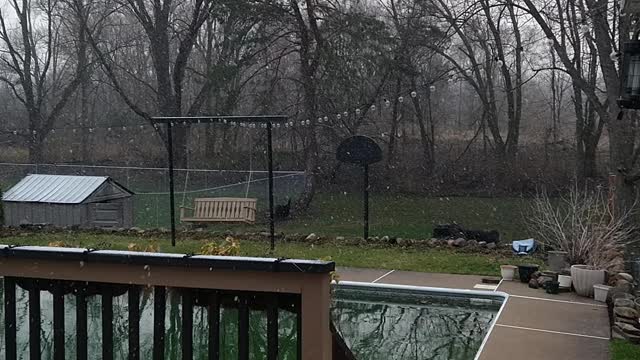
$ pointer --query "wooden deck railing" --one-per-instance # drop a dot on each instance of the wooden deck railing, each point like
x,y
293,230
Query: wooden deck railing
x,y
267,285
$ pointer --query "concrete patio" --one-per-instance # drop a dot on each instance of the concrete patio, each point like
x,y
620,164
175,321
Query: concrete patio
x,y
534,325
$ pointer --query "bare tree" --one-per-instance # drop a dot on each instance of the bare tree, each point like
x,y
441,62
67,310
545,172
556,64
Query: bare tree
x,y
41,77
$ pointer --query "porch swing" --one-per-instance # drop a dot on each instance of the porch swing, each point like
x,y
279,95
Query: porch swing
x,y
221,209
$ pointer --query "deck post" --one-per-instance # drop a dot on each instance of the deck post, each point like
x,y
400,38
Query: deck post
x,y
315,313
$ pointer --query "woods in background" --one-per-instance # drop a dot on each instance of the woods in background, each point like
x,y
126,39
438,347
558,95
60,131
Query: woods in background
x,y
465,96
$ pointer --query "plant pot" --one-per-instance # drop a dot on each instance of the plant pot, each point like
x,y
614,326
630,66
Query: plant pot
x,y
508,272
584,278
600,292
565,281
552,287
525,271
557,260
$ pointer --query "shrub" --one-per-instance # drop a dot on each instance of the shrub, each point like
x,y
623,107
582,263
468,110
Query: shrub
x,y
582,224
229,247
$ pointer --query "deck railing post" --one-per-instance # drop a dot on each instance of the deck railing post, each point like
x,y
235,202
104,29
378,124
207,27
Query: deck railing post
x,y
315,313
10,318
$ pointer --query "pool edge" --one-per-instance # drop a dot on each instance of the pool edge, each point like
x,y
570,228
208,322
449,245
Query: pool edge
x,y
494,293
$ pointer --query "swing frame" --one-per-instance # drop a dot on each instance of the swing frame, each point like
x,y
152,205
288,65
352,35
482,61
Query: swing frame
x,y
170,121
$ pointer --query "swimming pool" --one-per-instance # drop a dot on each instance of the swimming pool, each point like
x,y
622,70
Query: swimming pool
x,y
393,322
377,321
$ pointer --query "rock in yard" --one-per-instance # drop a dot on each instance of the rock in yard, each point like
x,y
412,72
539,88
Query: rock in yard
x,y
628,329
401,242
625,320
482,243
533,283
434,242
339,238
625,276
385,238
450,242
312,237
459,242
472,243
623,303
626,312
536,275
491,245
624,285
265,234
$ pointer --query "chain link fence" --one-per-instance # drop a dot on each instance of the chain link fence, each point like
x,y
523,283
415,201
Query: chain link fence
x,y
151,185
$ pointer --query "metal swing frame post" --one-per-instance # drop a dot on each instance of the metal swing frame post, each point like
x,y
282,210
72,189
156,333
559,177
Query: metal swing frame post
x,y
172,201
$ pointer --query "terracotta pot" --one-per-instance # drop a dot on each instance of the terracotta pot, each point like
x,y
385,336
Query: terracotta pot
x,y
584,278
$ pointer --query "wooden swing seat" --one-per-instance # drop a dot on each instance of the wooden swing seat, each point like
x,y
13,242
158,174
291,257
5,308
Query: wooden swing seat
x,y
220,210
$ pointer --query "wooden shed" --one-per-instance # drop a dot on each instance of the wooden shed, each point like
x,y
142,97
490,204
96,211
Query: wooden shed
x,y
63,200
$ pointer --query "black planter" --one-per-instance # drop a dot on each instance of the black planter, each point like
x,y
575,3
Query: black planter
x,y
552,287
525,271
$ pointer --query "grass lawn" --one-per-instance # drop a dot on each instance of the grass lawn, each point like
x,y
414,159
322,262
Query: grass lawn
x,y
394,215
415,259
624,350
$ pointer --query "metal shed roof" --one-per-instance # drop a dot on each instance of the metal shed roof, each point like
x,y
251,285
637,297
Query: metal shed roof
x,y
58,189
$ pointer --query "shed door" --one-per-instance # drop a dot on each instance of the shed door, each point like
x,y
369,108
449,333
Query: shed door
x,y
107,215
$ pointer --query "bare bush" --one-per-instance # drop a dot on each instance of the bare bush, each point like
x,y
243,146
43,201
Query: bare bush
x,y
582,224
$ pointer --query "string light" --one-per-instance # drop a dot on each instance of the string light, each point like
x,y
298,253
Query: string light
x,y
499,63
346,114
387,103
414,94
432,88
308,122
326,119
357,112
400,99
338,116
373,107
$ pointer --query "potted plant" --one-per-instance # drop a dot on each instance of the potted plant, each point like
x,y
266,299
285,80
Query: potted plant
x,y
581,225
585,277
508,272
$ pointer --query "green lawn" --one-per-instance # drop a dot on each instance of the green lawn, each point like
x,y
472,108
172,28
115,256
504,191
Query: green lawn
x,y
394,215
624,350
415,259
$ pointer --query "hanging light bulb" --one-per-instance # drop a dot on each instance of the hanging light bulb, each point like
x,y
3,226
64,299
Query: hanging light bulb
x,y
450,80
224,121
373,107
414,94
346,114
286,125
432,88
339,116
90,130
387,103
15,132
124,128
53,131
319,120
499,63
400,99
108,129
141,127
326,119
357,112
308,122
74,131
